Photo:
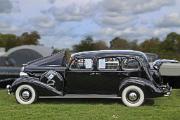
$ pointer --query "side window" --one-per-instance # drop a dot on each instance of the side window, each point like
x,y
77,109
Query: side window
x,y
86,64
109,63
130,64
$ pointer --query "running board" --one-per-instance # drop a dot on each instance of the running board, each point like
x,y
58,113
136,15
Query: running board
x,y
83,96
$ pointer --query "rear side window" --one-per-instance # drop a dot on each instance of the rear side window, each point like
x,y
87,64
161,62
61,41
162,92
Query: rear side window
x,y
86,64
130,64
108,63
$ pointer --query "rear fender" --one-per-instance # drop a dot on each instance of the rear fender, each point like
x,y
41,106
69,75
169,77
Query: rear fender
x,y
146,85
41,88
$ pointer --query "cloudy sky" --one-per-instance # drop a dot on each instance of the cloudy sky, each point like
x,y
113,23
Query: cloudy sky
x,y
62,23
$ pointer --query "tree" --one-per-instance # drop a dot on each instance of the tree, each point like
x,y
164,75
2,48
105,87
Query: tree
x,y
150,45
88,44
29,38
84,45
133,45
100,45
7,40
171,43
119,43
11,40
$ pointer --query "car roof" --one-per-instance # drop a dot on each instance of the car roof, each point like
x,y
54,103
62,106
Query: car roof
x,y
106,53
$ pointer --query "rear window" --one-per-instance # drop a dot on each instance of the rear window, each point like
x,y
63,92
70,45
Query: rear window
x,y
130,64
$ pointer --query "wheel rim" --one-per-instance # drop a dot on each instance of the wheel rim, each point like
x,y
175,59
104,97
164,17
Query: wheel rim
x,y
133,96
25,94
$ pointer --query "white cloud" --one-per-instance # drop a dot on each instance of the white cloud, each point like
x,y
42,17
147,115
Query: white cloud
x,y
135,6
63,22
132,33
124,13
72,12
3,25
5,6
44,22
169,20
142,33
6,27
52,1
115,20
58,42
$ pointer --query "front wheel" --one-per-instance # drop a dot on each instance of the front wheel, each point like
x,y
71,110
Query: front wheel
x,y
25,94
133,96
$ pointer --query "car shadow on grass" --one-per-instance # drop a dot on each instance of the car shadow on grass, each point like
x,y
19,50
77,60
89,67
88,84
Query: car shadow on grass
x,y
79,101
148,102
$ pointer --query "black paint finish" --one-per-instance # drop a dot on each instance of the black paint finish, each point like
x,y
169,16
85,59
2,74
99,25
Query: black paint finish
x,y
92,81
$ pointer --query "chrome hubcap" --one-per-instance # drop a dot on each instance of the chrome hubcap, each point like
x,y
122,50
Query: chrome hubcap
x,y
25,94
133,96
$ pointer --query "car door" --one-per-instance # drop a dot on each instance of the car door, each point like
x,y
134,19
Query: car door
x,y
79,77
108,75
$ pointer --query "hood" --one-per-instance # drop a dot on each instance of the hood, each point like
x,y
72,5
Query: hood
x,y
58,59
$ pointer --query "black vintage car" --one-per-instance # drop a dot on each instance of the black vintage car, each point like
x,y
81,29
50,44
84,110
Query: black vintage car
x,y
122,74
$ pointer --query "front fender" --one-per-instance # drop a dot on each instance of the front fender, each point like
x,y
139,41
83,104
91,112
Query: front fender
x,y
5,82
148,87
41,88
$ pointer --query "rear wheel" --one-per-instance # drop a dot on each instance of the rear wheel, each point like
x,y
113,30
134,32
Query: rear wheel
x,y
25,94
133,96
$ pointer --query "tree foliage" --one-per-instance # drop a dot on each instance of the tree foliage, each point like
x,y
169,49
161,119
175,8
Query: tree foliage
x,y
119,43
167,48
89,44
10,40
171,43
123,44
150,45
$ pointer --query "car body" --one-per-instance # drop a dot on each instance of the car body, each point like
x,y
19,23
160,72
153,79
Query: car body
x,y
122,74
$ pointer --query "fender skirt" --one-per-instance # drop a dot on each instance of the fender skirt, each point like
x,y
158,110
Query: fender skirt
x,y
150,89
41,88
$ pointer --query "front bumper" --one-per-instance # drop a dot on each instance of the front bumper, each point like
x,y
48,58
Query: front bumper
x,y
163,90
166,90
8,87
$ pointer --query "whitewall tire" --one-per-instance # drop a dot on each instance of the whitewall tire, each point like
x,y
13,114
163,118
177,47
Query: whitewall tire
x,y
133,96
25,94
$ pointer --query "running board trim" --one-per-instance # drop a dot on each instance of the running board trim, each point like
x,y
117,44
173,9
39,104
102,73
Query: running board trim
x,y
83,96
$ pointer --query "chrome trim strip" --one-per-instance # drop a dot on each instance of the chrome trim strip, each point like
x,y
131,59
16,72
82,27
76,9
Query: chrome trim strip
x,y
83,96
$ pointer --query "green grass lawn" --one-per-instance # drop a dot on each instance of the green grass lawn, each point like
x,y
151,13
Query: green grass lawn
x,y
165,108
